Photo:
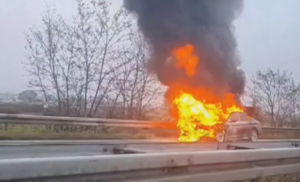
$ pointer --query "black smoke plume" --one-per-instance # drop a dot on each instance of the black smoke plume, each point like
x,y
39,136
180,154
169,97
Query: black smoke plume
x,y
207,25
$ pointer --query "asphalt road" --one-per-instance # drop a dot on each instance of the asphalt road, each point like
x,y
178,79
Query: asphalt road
x,y
56,148
80,142
9,152
32,149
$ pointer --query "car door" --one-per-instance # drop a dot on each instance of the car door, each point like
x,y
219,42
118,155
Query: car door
x,y
244,124
232,125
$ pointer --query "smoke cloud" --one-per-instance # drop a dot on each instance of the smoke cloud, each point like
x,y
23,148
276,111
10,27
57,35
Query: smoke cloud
x,y
207,25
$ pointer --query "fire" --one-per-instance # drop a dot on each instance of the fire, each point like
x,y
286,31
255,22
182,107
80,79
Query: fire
x,y
186,59
200,118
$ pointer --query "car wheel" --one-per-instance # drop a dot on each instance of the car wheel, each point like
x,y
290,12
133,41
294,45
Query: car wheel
x,y
253,136
221,137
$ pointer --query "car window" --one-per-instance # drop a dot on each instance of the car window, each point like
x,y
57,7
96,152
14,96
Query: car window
x,y
234,117
249,118
252,119
244,117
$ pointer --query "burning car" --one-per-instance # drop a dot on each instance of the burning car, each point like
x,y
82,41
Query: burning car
x,y
203,120
240,126
237,126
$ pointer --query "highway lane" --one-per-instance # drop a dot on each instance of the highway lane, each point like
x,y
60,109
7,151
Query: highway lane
x,y
101,142
84,148
23,149
9,152
80,142
34,151
55,148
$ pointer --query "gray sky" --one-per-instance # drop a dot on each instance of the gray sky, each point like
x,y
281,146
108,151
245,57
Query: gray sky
x,y
268,33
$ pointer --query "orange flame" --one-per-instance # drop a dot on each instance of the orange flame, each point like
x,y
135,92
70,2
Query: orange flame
x,y
186,59
198,119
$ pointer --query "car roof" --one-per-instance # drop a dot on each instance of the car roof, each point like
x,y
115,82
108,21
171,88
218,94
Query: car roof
x,y
237,112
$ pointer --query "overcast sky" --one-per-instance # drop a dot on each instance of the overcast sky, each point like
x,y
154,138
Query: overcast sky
x,y
268,33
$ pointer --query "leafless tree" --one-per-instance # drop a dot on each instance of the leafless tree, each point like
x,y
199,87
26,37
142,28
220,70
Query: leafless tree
x,y
42,50
76,61
100,33
277,94
135,90
70,87
115,35
51,61
95,60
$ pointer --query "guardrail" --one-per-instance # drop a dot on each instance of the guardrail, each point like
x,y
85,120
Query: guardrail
x,y
274,129
217,166
50,120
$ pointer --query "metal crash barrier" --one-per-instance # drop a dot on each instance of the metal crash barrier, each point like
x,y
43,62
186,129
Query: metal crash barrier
x,y
48,120
208,166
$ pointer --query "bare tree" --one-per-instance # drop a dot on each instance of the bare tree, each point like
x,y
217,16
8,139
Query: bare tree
x,y
100,33
70,87
42,50
135,90
76,61
95,61
115,33
276,93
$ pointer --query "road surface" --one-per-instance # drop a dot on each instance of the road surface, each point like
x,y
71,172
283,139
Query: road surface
x,y
81,142
31,149
8,152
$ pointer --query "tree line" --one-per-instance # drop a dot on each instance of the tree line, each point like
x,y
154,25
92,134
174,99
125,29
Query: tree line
x,y
94,66
275,96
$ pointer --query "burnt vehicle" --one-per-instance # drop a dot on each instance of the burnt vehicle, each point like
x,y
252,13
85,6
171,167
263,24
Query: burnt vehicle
x,y
240,126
